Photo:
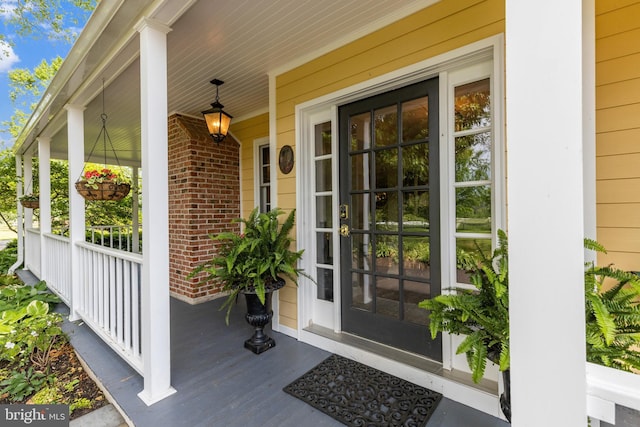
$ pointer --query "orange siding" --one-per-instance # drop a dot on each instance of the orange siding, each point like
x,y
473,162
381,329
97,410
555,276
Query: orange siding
x,y
246,132
618,130
444,26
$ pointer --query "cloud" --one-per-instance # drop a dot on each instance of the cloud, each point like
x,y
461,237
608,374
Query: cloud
x,y
7,8
7,57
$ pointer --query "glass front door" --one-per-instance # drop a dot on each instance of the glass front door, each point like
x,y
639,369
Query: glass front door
x,y
389,216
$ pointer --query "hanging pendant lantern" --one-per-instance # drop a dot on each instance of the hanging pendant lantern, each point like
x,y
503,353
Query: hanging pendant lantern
x,y
217,119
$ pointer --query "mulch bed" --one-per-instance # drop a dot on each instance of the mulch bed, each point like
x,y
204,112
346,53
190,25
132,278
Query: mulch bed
x,y
67,368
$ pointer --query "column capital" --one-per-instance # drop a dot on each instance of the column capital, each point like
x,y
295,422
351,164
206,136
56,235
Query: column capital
x,y
74,107
146,22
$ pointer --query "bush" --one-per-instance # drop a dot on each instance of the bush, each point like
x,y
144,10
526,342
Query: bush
x,y
9,255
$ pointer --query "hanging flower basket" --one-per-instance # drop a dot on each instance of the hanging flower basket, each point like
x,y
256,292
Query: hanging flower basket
x,y
106,190
31,201
103,184
31,204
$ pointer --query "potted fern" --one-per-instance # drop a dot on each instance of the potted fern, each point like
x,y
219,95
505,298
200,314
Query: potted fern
x,y
255,264
481,314
612,313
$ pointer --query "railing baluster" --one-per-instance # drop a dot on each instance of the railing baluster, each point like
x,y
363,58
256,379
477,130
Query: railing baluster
x,y
135,304
120,237
83,276
112,297
120,300
127,303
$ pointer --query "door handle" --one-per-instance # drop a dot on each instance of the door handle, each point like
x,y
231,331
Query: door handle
x,y
344,230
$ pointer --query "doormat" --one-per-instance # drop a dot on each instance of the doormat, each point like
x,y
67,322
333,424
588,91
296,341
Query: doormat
x,y
358,395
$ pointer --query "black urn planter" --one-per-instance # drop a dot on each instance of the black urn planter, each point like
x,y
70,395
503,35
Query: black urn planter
x,y
505,397
259,315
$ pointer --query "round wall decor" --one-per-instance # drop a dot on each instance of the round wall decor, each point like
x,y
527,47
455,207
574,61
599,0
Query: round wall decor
x,y
285,160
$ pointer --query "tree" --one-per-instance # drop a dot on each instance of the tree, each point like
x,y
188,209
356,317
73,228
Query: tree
x,y
27,18
26,87
7,188
60,19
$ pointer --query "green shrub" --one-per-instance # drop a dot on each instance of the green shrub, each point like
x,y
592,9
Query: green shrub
x,y
81,403
28,334
9,255
47,395
14,294
24,383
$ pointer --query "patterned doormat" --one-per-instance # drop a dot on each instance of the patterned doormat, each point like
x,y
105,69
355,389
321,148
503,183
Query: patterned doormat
x,y
358,395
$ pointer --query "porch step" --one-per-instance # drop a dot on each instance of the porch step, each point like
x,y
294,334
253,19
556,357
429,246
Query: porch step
x,y
107,416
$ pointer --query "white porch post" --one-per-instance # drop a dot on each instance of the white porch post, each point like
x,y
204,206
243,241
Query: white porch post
x,y
75,154
28,188
135,222
44,175
545,212
156,347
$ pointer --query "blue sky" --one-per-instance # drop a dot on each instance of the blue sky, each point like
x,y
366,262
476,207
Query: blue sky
x,y
29,51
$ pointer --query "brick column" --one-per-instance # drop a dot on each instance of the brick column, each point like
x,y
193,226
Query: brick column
x,y
204,198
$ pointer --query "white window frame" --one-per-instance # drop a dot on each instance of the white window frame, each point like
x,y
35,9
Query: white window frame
x,y
448,82
310,309
257,170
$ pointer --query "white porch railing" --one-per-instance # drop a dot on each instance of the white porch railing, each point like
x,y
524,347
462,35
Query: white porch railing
x,y
115,236
110,298
32,251
57,252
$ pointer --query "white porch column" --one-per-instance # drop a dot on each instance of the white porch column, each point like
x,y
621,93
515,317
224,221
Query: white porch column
x,y
156,347
545,213
77,226
135,209
44,175
28,188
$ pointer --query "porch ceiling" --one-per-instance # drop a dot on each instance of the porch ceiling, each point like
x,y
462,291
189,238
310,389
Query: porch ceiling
x,y
240,42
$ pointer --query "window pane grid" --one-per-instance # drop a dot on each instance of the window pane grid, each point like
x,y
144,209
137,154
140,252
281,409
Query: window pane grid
x,y
472,186
323,201
265,179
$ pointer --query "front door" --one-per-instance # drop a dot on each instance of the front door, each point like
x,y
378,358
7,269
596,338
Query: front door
x,y
389,216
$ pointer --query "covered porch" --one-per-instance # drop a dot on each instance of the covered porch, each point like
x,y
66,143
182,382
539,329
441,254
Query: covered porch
x,y
286,64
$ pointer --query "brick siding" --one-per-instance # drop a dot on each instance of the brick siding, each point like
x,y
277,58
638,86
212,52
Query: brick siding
x,y
204,198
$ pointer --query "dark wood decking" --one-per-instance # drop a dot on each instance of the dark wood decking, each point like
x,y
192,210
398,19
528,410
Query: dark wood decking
x,y
219,383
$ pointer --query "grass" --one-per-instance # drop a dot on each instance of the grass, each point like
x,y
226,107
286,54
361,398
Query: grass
x,y
6,234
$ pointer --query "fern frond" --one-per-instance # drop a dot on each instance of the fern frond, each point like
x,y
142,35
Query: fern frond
x,y
593,245
478,361
505,357
604,320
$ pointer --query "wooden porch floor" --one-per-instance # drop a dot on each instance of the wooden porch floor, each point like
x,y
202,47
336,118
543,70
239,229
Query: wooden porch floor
x,y
219,383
